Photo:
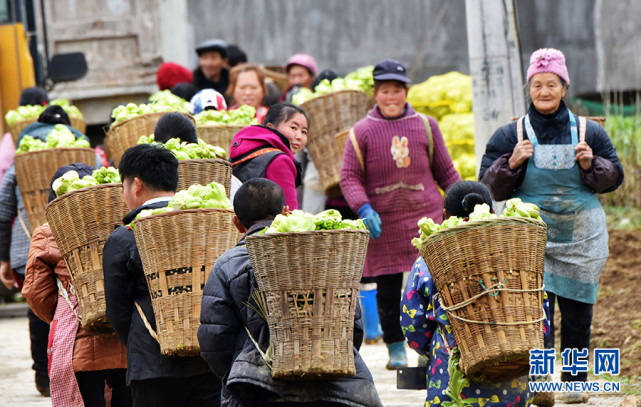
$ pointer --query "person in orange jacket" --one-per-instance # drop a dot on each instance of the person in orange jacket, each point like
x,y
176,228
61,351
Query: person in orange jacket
x,y
79,363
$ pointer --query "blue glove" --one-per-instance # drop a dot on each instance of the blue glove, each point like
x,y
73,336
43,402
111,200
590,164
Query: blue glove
x,y
371,219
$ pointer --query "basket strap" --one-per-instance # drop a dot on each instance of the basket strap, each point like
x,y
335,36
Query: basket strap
x,y
434,299
63,292
24,227
583,124
519,130
430,139
146,322
357,149
255,154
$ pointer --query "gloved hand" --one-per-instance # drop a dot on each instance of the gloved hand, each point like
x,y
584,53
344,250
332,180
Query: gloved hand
x,y
371,219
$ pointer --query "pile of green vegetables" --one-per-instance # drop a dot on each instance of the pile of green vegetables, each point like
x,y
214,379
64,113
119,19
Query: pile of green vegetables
x,y
196,196
131,110
167,98
71,181
361,79
448,98
185,151
245,114
59,137
513,207
32,112
299,221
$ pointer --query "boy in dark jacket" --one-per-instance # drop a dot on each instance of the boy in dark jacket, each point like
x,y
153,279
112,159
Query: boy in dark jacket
x,y
225,320
150,177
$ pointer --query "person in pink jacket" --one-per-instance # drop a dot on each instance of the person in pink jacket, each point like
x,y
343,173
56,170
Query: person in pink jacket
x,y
268,151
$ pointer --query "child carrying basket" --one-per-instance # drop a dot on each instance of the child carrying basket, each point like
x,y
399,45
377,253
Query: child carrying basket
x,y
436,328
235,336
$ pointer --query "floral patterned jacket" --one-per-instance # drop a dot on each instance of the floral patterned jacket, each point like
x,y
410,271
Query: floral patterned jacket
x,y
426,327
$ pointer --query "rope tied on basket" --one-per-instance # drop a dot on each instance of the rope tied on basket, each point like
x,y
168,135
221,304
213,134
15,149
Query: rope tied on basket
x,y
493,291
146,322
496,287
65,294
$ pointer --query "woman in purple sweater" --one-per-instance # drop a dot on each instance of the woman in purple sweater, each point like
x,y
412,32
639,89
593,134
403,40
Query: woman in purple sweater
x,y
391,179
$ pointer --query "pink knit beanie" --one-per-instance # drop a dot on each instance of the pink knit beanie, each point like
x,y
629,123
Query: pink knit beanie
x,y
548,60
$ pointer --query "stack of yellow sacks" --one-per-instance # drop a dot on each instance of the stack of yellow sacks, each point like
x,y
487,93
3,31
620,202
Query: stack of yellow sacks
x,y
448,98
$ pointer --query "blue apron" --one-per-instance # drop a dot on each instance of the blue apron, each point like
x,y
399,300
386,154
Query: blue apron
x,y
577,245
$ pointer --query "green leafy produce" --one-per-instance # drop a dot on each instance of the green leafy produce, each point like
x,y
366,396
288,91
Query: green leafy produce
x,y
71,110
167,98
513,207
196,196
516,207
107,175
245,114
131,110
185,151
71,181
59,137
482,211
448,98
28,112
458,382
361,80
299,221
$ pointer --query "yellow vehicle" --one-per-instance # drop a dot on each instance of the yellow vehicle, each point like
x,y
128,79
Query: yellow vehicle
x,y
20,65
16,63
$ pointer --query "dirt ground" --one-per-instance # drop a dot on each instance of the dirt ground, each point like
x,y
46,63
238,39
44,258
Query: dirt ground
x,y
617,313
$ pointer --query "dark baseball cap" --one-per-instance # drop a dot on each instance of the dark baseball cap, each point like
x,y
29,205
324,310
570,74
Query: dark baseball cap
x,y
390,70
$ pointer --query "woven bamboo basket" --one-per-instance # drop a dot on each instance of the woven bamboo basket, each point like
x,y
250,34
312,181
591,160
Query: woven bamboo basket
x,y
126,134
178,250
278,75
78,124
489,275
203,172
17,128
34,171
309,286
220,135
340,139
81,222
330,114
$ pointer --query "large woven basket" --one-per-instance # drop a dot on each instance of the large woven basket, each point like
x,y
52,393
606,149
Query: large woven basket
x,y
204,172
178,250
126,134
220,135
78,124
330,114
309,286
34,171
278,75
17,128
81,222
489,275
340,139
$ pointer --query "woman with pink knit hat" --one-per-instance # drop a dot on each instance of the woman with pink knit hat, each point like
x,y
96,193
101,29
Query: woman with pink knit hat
x,y
301,71
559,161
